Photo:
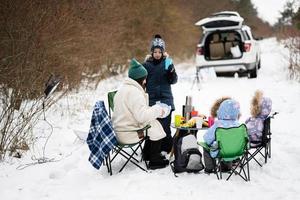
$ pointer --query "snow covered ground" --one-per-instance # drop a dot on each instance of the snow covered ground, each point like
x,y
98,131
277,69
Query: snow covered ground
x,y
70,175
269,10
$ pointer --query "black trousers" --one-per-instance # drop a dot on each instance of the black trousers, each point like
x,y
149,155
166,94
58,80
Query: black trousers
x,y
210,163
167,142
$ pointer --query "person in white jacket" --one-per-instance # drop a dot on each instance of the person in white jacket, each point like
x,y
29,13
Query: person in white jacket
x,y
132,111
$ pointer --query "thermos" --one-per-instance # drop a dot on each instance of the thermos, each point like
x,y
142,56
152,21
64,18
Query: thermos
x,y
188,107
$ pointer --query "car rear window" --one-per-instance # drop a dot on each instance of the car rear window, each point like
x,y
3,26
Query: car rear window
x,y
221,23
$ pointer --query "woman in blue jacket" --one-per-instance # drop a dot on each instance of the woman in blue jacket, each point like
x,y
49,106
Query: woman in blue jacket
x,y
161,74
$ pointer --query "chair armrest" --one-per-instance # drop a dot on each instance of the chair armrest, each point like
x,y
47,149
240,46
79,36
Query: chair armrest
x,y
204,145
136,130
273,114
145,128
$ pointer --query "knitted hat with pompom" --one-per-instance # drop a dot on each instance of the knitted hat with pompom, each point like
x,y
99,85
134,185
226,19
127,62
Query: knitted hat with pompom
x,y
158,42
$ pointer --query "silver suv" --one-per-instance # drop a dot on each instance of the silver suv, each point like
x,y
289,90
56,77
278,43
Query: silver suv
x,y
227,45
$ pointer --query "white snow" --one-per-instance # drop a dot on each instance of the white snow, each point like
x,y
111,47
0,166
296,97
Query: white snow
x,y
269,10
71,176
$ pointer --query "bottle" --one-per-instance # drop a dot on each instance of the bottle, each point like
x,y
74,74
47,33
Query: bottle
x,y
211,121
188,107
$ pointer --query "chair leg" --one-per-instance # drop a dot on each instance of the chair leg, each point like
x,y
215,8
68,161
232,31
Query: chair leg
x,y
241,164
140,146
119,150
108,164
129,157
133,150
220,169
256,159
216,170
248,170
266,153
269,144
252,156
234,170
142,157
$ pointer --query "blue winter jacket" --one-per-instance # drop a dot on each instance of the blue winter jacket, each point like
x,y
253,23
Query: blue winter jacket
x,y
159,80
227,115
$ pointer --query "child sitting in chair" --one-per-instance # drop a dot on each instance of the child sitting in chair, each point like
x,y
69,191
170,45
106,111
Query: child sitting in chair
x,y
227,116
216,105
260,109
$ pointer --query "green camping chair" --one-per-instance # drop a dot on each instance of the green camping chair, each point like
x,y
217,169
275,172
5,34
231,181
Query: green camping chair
x,y
128,151
232,146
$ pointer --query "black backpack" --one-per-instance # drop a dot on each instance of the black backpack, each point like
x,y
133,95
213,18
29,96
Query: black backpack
x,y
187,155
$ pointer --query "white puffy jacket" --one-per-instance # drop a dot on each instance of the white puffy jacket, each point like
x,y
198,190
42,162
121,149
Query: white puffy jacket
x,y
131,112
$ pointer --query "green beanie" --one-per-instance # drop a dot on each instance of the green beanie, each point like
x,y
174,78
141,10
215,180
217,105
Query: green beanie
x,y
136,70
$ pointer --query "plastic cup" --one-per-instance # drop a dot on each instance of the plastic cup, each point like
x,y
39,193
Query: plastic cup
x,y
178,120
199,122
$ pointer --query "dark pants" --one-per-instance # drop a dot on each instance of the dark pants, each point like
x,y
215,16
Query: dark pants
x,y
167,142
210,163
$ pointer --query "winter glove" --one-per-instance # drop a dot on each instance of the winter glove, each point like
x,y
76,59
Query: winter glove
x,y
214,146
168,63
165,108
170,71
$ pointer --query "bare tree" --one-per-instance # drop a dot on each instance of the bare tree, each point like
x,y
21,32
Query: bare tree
x,y
23,71
288,27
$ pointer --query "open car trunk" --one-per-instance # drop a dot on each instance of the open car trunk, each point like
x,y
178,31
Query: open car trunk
x,y
223,45
221,21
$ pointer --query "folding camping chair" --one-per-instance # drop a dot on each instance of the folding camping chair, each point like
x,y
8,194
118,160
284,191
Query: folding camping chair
x,y
232,146
121,149
262,148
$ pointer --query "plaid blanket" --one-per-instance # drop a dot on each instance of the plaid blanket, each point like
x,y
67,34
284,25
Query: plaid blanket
x,y
101,138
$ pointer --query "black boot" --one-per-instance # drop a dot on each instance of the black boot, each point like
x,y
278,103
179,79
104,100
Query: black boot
x,y
146,150
156,160
167,144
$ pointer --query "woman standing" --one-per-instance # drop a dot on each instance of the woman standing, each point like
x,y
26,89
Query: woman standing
x,y
161,74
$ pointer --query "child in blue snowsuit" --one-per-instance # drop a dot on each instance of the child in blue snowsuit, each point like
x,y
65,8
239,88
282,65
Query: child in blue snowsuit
x,y
227,116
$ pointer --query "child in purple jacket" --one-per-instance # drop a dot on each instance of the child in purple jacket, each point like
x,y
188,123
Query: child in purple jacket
x,y
260,109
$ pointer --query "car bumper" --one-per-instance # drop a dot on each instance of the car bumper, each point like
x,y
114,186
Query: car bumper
x,y
236,67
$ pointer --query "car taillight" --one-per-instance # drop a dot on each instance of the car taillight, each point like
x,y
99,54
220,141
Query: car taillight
x,y
247,47
199,51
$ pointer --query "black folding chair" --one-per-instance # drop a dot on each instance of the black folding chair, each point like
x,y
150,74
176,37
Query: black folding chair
x,y
128,151
262,148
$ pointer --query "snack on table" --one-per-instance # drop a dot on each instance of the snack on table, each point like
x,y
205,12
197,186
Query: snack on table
x,y
189,124
205,123
202,116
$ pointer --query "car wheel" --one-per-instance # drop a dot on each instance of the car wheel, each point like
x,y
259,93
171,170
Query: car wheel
x,y
259,64
253,73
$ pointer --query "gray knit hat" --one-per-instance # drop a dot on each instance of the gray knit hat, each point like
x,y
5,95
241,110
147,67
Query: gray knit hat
x,y
158,42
